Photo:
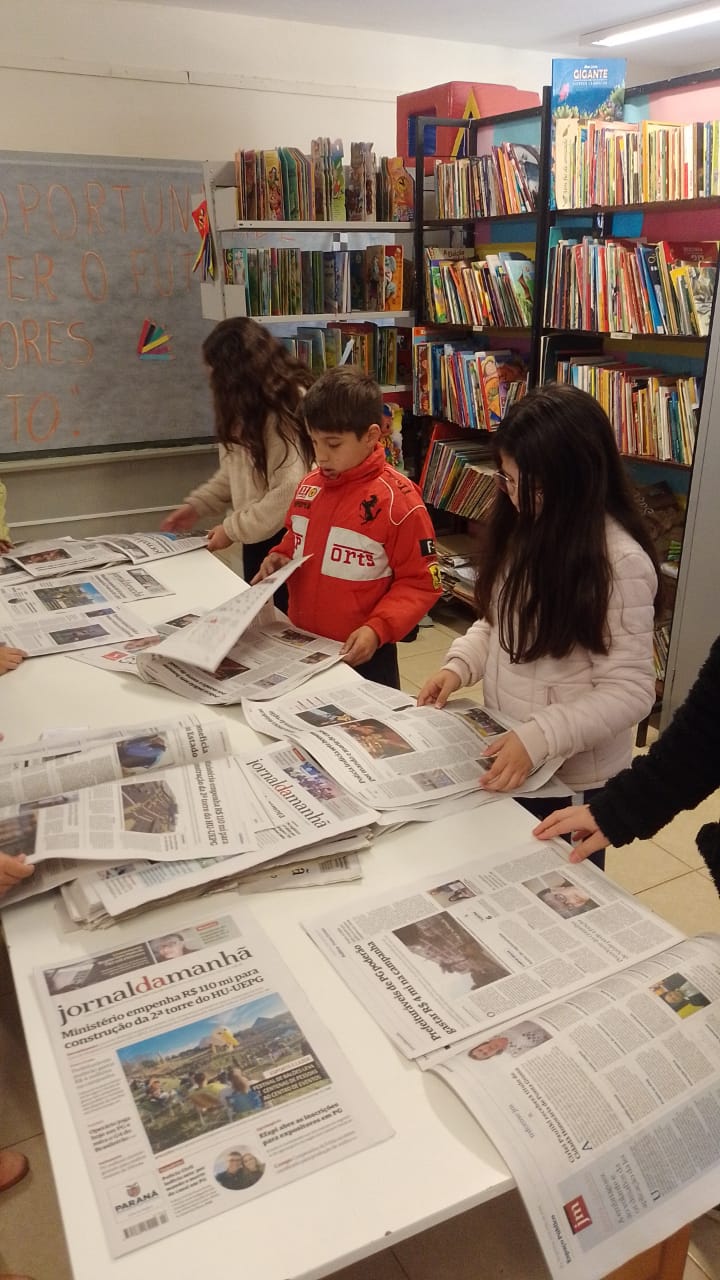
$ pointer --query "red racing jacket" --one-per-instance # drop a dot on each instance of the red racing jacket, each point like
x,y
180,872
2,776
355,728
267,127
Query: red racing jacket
x,y
372,551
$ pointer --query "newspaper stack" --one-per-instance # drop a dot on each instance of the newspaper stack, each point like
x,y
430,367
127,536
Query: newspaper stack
x,y
54,599
405,761
143,812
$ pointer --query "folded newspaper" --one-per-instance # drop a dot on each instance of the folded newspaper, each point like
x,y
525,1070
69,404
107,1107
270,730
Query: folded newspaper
x,y
198,1075
242,649
384,749
580,1029
51,557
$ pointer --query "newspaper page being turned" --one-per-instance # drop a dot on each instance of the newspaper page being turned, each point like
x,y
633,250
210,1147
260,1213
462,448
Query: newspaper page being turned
x,y
199,1076
396,759
122,657
73,629
606,1106
493,938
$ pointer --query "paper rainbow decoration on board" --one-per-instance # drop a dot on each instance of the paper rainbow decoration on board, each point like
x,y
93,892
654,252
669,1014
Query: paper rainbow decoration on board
x,y
154,342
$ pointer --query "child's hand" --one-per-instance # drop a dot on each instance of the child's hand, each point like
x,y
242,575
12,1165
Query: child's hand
x,y
360,646
511,764
578,822
217,539
272,562
180,519
10,659
4,546
438,688
12,871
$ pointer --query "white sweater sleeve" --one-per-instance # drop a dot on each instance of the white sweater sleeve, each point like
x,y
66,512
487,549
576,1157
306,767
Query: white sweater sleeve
x,y
468,654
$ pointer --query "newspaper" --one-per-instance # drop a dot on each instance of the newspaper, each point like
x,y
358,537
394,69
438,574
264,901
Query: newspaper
x,y
88,896
122,656
395,759
242,649
186,811
140,547
199,1076
456,954
288,804
50,557
606,1106
10,573
39,770
78,591
292,715
73,629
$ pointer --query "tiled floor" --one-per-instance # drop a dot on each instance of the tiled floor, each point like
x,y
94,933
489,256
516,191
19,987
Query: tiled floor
x,y
493,1242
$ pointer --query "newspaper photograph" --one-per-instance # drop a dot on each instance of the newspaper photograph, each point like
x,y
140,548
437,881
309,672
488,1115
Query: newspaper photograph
x,y
39,770
78,592
50,557
291,715
414,756
122,657
288,805
443,958
206,642
73,629
267,659
199,1076
140,547
186,811
606,1106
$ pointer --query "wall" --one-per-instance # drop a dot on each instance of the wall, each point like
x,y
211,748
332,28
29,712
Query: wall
x,y
114,77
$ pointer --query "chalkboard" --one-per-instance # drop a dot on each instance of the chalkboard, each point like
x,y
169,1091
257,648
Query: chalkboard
x,y
100,324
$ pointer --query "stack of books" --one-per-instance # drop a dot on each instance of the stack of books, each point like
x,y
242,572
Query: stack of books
x,y
459,477
503,182
622,286
455,381
285,185
486,286
654,414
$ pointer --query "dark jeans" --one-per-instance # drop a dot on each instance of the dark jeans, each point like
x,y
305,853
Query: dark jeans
x,y
253,555
543,808
382,667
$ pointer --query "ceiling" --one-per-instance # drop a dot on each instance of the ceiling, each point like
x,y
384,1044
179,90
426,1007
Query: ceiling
x,y
551,26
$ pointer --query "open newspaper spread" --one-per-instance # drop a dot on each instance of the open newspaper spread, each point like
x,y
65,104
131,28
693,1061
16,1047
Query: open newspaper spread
x,y
606,1106
77,591
449,956
73,629
140,547
199,1076
242,649
395,755
51,557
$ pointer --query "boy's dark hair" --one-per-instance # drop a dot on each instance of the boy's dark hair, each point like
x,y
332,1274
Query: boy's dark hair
x,y
343,399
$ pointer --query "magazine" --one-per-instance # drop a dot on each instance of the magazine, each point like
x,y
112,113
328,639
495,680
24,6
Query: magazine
x,y
198,1075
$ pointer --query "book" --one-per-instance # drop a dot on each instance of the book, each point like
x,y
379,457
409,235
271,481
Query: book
x,y
393,273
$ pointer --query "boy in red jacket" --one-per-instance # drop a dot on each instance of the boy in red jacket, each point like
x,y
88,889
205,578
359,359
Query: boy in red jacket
x,y
373,571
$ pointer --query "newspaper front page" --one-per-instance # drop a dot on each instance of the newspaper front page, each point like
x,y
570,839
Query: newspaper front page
x,y
199,1076
73,629
186,811
78,591
606,1106
448,956
39,770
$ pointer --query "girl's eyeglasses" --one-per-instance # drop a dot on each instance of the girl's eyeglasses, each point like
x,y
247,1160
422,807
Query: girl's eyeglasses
x,y
504,481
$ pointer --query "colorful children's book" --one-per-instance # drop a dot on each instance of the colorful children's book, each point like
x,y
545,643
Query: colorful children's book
x,y
393,271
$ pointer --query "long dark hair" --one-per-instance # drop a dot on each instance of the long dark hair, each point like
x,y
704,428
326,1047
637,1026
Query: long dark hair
x,y
252,376
549,558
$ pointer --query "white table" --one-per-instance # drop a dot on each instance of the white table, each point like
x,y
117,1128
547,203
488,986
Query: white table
x,y
438,1164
